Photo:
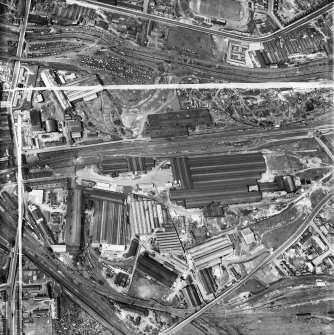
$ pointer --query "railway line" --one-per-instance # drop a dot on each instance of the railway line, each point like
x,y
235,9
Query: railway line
x,y
304,72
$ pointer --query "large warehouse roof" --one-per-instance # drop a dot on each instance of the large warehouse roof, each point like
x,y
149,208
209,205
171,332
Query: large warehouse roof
x,y
156,270
222,179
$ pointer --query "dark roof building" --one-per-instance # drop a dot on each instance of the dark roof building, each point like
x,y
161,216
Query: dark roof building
x,y
131,164
35,118
155,270
208,281
222,179
177,123
133,249
191,294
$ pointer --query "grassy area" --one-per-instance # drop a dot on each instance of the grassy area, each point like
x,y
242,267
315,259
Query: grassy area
x,y
190,42
282,219
276,230
275,238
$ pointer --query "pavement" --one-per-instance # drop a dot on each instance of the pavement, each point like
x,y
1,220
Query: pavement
x,y
12,277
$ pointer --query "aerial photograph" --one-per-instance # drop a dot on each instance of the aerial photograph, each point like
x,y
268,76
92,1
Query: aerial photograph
x,y
166,167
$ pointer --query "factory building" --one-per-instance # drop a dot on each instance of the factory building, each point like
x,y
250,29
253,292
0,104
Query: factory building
x,y
76,95
73,220
110,217
51,126
248,236
145,216
155,270
50,82
210,252
48,183
192,296
35,119
208,281
217,180
133,249
168,241
130,164
109,223
177,123
280,183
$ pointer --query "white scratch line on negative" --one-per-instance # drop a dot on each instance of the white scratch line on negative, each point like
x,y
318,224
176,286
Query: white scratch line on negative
x,y
267,85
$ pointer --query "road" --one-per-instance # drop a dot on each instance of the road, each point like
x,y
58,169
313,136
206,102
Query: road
x,y
237,35
292,239
17,137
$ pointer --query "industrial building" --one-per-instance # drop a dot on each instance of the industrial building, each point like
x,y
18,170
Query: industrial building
x,y
177,123
208,281
35,119
73,220
133,249
145,216
280,183
83,94
110,217
50,82
210,252
248,236
191,295
216,180
51,126
168,241
109,224
130,164
48,183
155,270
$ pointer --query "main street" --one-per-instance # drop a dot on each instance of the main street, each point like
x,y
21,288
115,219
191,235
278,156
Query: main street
x,y
17,137
237,35
292,239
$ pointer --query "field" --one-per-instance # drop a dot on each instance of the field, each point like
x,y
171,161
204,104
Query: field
x,y
282,219
190,42
222,9
283,164
275,238
276,230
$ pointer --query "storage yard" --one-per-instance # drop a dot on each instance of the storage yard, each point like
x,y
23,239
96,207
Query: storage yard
x,y
224,179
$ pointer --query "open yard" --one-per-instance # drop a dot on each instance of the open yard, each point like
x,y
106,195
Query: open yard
x,y
144,288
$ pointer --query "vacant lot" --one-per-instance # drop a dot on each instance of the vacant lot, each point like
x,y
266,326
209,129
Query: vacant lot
x,y
191,42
